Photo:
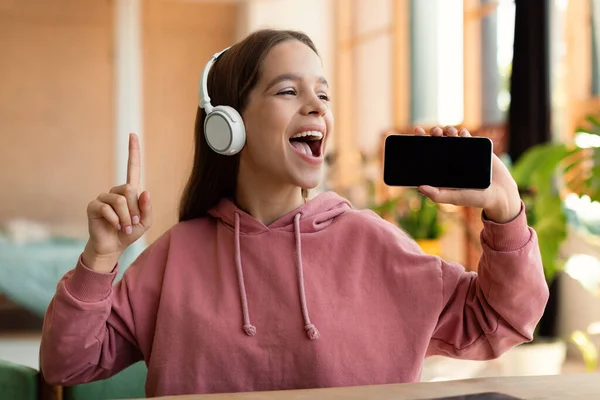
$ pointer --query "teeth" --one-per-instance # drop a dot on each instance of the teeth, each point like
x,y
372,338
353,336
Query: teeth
x,y
314,135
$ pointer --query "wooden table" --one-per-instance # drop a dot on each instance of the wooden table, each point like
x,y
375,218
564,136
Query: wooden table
x,y
556,387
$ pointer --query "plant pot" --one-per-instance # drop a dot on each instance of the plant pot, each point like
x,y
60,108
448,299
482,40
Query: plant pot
x,y
430,246
541,357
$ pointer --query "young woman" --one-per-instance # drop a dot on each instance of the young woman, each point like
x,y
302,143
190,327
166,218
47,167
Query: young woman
x,y
259,288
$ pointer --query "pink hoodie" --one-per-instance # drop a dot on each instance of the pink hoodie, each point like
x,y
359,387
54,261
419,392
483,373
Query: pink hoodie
x,y
226,304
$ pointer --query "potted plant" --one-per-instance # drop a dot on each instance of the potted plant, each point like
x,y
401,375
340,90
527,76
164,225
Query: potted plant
x,y
542,173
417,215
535,174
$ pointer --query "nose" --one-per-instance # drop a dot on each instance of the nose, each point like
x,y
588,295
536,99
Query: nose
x,y
315,106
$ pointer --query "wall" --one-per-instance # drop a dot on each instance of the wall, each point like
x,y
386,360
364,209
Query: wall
x,y
313,17
179,37
56,115
57,121
373,106
437,62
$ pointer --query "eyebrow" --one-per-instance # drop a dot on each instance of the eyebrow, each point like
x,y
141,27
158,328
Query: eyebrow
x,y
292,77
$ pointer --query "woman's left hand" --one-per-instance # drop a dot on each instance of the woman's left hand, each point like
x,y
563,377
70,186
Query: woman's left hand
x,y
500,202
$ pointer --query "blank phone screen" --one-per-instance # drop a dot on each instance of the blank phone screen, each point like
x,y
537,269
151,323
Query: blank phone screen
x,y
445,162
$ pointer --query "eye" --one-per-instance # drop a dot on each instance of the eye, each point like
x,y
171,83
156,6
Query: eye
x,y
324,97
291,92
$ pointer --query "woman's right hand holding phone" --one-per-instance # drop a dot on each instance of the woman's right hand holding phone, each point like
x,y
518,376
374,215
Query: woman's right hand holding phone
x,y
118,218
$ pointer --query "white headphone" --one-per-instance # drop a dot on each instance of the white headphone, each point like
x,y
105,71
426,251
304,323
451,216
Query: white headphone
x,y
223,126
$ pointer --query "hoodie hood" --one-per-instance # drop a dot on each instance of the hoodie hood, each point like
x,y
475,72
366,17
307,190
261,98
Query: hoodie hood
x,y
317,214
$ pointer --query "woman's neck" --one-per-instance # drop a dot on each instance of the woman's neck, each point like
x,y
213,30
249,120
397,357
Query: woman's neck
x,y
267,202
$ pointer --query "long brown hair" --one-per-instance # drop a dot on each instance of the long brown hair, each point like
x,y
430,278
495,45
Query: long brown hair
x,y
231,78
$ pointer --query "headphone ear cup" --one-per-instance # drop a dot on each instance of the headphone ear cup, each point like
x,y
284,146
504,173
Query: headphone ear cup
x,y
225,131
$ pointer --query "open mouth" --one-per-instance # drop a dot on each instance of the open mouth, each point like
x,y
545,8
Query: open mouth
x,y
308,143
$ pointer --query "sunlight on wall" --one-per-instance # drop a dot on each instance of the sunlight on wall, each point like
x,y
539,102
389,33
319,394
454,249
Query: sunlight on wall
x,y
586,270
128,82
594,328
450,62
505,40
312,17
587,140
437,62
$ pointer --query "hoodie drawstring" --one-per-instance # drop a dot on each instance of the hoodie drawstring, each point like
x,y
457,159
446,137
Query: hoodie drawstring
x,y
311,330
250,329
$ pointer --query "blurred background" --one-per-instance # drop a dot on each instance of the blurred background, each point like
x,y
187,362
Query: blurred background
x,y
76,76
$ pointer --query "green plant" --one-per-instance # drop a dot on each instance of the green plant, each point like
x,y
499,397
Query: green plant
x,y
417,215
540,173
420,217
536,175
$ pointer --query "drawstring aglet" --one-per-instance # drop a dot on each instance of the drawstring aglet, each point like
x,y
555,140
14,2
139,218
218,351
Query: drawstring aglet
x,y
312,332
250,330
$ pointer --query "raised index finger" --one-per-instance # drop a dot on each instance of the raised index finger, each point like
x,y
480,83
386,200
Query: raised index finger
x,y
134,161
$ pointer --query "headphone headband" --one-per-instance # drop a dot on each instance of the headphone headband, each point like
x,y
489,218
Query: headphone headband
x,y
203,97
224,128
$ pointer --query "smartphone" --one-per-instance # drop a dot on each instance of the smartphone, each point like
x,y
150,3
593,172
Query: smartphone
x,y
439,161
480,396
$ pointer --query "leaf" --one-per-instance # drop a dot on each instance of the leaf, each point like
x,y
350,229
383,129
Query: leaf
x,y
574,159
593,120
595,194
593,126
423,222
385,208
596,170
595,155
536,173
550,227
549,250
538,163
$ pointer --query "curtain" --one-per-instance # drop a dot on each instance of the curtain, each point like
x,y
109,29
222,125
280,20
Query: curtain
x,y
529,113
